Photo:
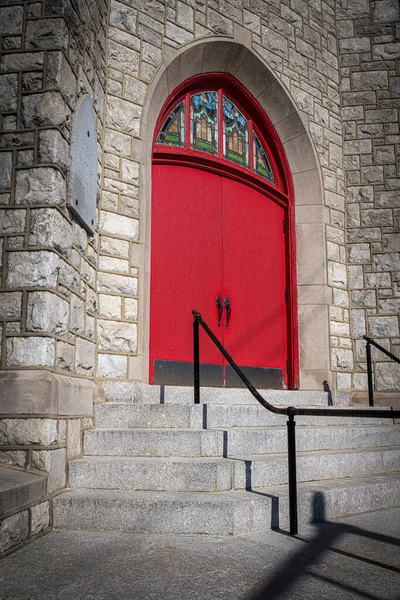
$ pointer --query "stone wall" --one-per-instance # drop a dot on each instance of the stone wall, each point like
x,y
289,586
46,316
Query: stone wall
x,y
296,40
369,46
52,53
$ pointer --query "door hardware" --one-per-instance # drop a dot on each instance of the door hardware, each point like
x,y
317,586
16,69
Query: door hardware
x,y
227,304
218,302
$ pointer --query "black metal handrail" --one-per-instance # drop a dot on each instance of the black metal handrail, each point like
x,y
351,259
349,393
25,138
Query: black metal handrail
x,y
290,411
369,365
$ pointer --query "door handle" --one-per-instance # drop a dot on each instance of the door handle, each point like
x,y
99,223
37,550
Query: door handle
x,y
218,302
227,304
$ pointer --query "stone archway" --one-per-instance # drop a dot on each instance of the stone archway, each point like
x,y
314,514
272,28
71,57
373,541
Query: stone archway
x,y
220,55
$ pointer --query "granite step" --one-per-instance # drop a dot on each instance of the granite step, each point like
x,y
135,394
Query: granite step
x,y
232,442
222,474
218,416
228,513
145,393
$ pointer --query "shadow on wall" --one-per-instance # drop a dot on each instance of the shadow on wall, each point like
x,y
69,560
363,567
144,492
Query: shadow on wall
x,y
327,537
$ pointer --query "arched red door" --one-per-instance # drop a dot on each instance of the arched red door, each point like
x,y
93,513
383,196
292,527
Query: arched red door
x,y
221,219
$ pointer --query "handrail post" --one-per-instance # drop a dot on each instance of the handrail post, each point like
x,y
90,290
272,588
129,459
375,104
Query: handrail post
x,y
291,425
369,370
196,361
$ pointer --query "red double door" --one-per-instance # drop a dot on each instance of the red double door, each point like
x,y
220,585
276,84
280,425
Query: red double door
x,y
215,237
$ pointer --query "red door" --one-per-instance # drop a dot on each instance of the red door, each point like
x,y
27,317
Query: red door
x,y
214,235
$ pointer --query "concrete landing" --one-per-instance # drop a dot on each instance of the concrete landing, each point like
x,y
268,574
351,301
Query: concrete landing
x,y
349,559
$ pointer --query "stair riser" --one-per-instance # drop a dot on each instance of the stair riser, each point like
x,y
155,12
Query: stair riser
x,y
341,502
185,517
145,393
257,416
233,442
317,468
154,443
206,476
273,440
215,518
123,416
154,415
152,476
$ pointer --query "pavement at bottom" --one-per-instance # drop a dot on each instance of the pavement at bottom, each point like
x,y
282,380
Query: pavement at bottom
x,y
353,558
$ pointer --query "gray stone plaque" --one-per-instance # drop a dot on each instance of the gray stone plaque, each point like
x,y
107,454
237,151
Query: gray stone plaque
x,y
83,182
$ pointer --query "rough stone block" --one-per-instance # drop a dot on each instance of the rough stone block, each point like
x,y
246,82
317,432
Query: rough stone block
x,y
77,316
356,277
8,92
10,304
109,282
359,253
383,326
337,274
32,269
54,463
390,306
5,170
123,16
110,306
11,20
342,359
53,148
47,312
65,356
50,228
42,185
40,517
358,326
391,241
13,530
12,221
387,376
47,33
365,298
13,457
109,263
112,365
124,115
370,80
85,356
30,351
116,336
119,225
23,432
60,76
390,261
131,309
44,108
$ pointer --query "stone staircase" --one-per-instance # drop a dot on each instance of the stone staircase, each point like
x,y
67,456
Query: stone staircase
x,y
164,465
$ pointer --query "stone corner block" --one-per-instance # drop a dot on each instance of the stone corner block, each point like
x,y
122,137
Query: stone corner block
x,y
44,393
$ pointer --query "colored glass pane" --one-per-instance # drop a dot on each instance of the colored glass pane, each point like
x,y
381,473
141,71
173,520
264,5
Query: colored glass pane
x,y
172,131
204,122
236,135
261,162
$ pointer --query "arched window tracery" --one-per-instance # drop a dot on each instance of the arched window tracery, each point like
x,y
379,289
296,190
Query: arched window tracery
x,y
210,121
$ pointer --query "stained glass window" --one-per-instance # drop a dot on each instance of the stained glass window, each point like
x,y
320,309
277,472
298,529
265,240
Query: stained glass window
x,y
236,135
204,122
172,131
261,162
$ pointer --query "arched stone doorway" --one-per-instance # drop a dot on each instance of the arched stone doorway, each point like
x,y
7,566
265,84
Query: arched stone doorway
x,y
310,215
222,238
